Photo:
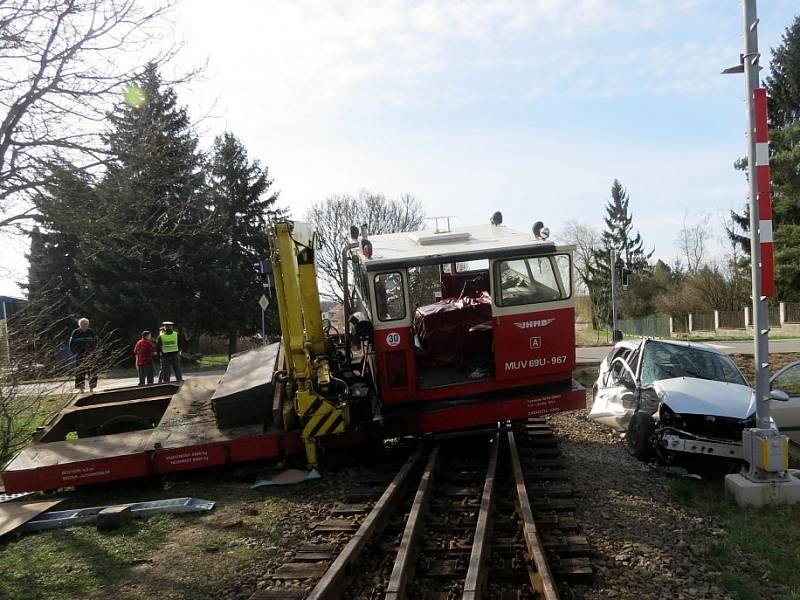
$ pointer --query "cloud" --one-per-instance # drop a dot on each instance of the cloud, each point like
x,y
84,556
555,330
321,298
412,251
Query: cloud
x,y
325,56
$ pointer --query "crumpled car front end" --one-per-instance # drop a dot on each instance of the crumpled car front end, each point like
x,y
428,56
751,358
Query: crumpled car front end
x,y
699,416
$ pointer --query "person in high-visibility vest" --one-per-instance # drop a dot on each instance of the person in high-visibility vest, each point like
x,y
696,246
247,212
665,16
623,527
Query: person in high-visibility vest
x,y
169,345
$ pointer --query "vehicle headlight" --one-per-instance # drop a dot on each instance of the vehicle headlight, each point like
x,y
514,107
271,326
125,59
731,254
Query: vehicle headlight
x,y
667,416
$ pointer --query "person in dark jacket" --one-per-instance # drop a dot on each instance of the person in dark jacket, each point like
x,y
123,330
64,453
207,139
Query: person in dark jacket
x,y
82,343
169,345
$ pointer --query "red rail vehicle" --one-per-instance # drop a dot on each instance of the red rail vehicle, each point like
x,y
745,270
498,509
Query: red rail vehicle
x,y
443,329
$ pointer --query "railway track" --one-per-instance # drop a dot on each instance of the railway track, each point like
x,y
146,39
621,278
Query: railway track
x,y
478,515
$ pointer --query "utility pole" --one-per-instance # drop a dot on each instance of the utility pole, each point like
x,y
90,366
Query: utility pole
x,y
613,258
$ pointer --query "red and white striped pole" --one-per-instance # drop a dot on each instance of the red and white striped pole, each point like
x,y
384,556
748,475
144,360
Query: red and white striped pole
x,y
764,194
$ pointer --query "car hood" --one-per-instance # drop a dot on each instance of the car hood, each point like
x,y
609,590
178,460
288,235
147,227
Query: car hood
x,y
687,395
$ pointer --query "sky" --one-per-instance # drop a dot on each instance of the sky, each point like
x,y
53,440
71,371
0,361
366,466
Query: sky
x,y
531,108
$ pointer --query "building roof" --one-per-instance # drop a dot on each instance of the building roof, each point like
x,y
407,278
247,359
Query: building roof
x,y
12,302
459,244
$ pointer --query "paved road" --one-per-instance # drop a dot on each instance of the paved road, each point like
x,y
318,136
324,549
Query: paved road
x,y
67,387
594,354
585,355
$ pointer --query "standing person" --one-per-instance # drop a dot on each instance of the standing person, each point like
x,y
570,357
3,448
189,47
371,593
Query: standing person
x,y
169,346
82,343
145,350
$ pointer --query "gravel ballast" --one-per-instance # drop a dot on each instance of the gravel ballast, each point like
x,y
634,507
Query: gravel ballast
x,y
648,544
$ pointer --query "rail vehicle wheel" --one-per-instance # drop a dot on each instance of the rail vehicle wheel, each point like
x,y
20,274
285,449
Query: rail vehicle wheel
x,y
640,430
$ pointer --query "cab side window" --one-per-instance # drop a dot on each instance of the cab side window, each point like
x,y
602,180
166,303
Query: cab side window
x,y
390,296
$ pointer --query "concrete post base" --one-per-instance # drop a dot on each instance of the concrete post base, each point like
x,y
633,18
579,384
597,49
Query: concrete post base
x,y
751,493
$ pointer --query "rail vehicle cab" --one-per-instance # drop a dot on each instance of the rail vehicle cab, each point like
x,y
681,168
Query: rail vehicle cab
x,y
464,311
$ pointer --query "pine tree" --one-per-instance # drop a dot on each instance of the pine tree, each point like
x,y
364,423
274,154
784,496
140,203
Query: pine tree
x,y
618,237
619,234
783,82
242,201
150,261
55,293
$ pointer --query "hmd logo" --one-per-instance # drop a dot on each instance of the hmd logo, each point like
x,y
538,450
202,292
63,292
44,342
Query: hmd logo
x,y
534,324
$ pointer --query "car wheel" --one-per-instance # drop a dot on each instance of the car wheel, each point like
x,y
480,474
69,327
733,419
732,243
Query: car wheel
x,y
640,430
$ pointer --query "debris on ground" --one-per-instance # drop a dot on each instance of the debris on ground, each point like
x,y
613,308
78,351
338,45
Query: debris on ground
x,y
83,516
14,515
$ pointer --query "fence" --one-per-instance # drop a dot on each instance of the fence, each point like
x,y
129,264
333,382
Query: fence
x,y
774,313
792,312
680,324
703,322
652,327
784,317
731,319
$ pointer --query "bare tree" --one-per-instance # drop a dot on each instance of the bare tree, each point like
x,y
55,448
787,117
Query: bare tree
x,y
35,354
586,240
333,217
63,63
692,242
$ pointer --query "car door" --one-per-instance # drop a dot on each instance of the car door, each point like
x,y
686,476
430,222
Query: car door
x,y
787,414
615,398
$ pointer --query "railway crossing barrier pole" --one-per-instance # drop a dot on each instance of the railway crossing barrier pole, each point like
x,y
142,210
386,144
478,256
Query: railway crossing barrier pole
x,y
767,480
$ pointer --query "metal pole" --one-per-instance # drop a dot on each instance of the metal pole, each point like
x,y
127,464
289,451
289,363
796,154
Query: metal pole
x,y
760,316
263,329
613,296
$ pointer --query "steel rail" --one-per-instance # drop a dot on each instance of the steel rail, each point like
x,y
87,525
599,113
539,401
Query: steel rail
x,y
406,554
330,583
542,581
476,572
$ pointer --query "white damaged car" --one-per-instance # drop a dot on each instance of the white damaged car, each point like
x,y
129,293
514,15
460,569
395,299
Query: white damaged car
x,y
675,398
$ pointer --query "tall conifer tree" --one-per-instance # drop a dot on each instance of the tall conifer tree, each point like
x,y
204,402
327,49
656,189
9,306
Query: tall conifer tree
x,y
242,200
618,236
149,264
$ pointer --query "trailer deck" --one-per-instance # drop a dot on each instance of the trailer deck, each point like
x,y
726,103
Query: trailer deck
x,y
186,436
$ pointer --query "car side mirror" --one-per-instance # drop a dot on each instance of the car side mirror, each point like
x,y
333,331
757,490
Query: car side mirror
x,y
779,395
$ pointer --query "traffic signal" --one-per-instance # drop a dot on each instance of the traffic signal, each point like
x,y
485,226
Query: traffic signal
x,y
623,273
264,268
626,272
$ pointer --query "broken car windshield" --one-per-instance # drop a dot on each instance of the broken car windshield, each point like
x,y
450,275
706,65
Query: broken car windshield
x,y
666,361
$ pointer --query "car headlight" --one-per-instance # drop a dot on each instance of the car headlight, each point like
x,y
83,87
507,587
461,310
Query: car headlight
x,y
667,416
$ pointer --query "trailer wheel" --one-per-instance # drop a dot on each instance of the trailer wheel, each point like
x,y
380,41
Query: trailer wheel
x,y
640,430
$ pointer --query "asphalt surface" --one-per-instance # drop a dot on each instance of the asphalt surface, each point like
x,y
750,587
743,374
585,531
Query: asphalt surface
x,y
68,387
585,355
589,355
